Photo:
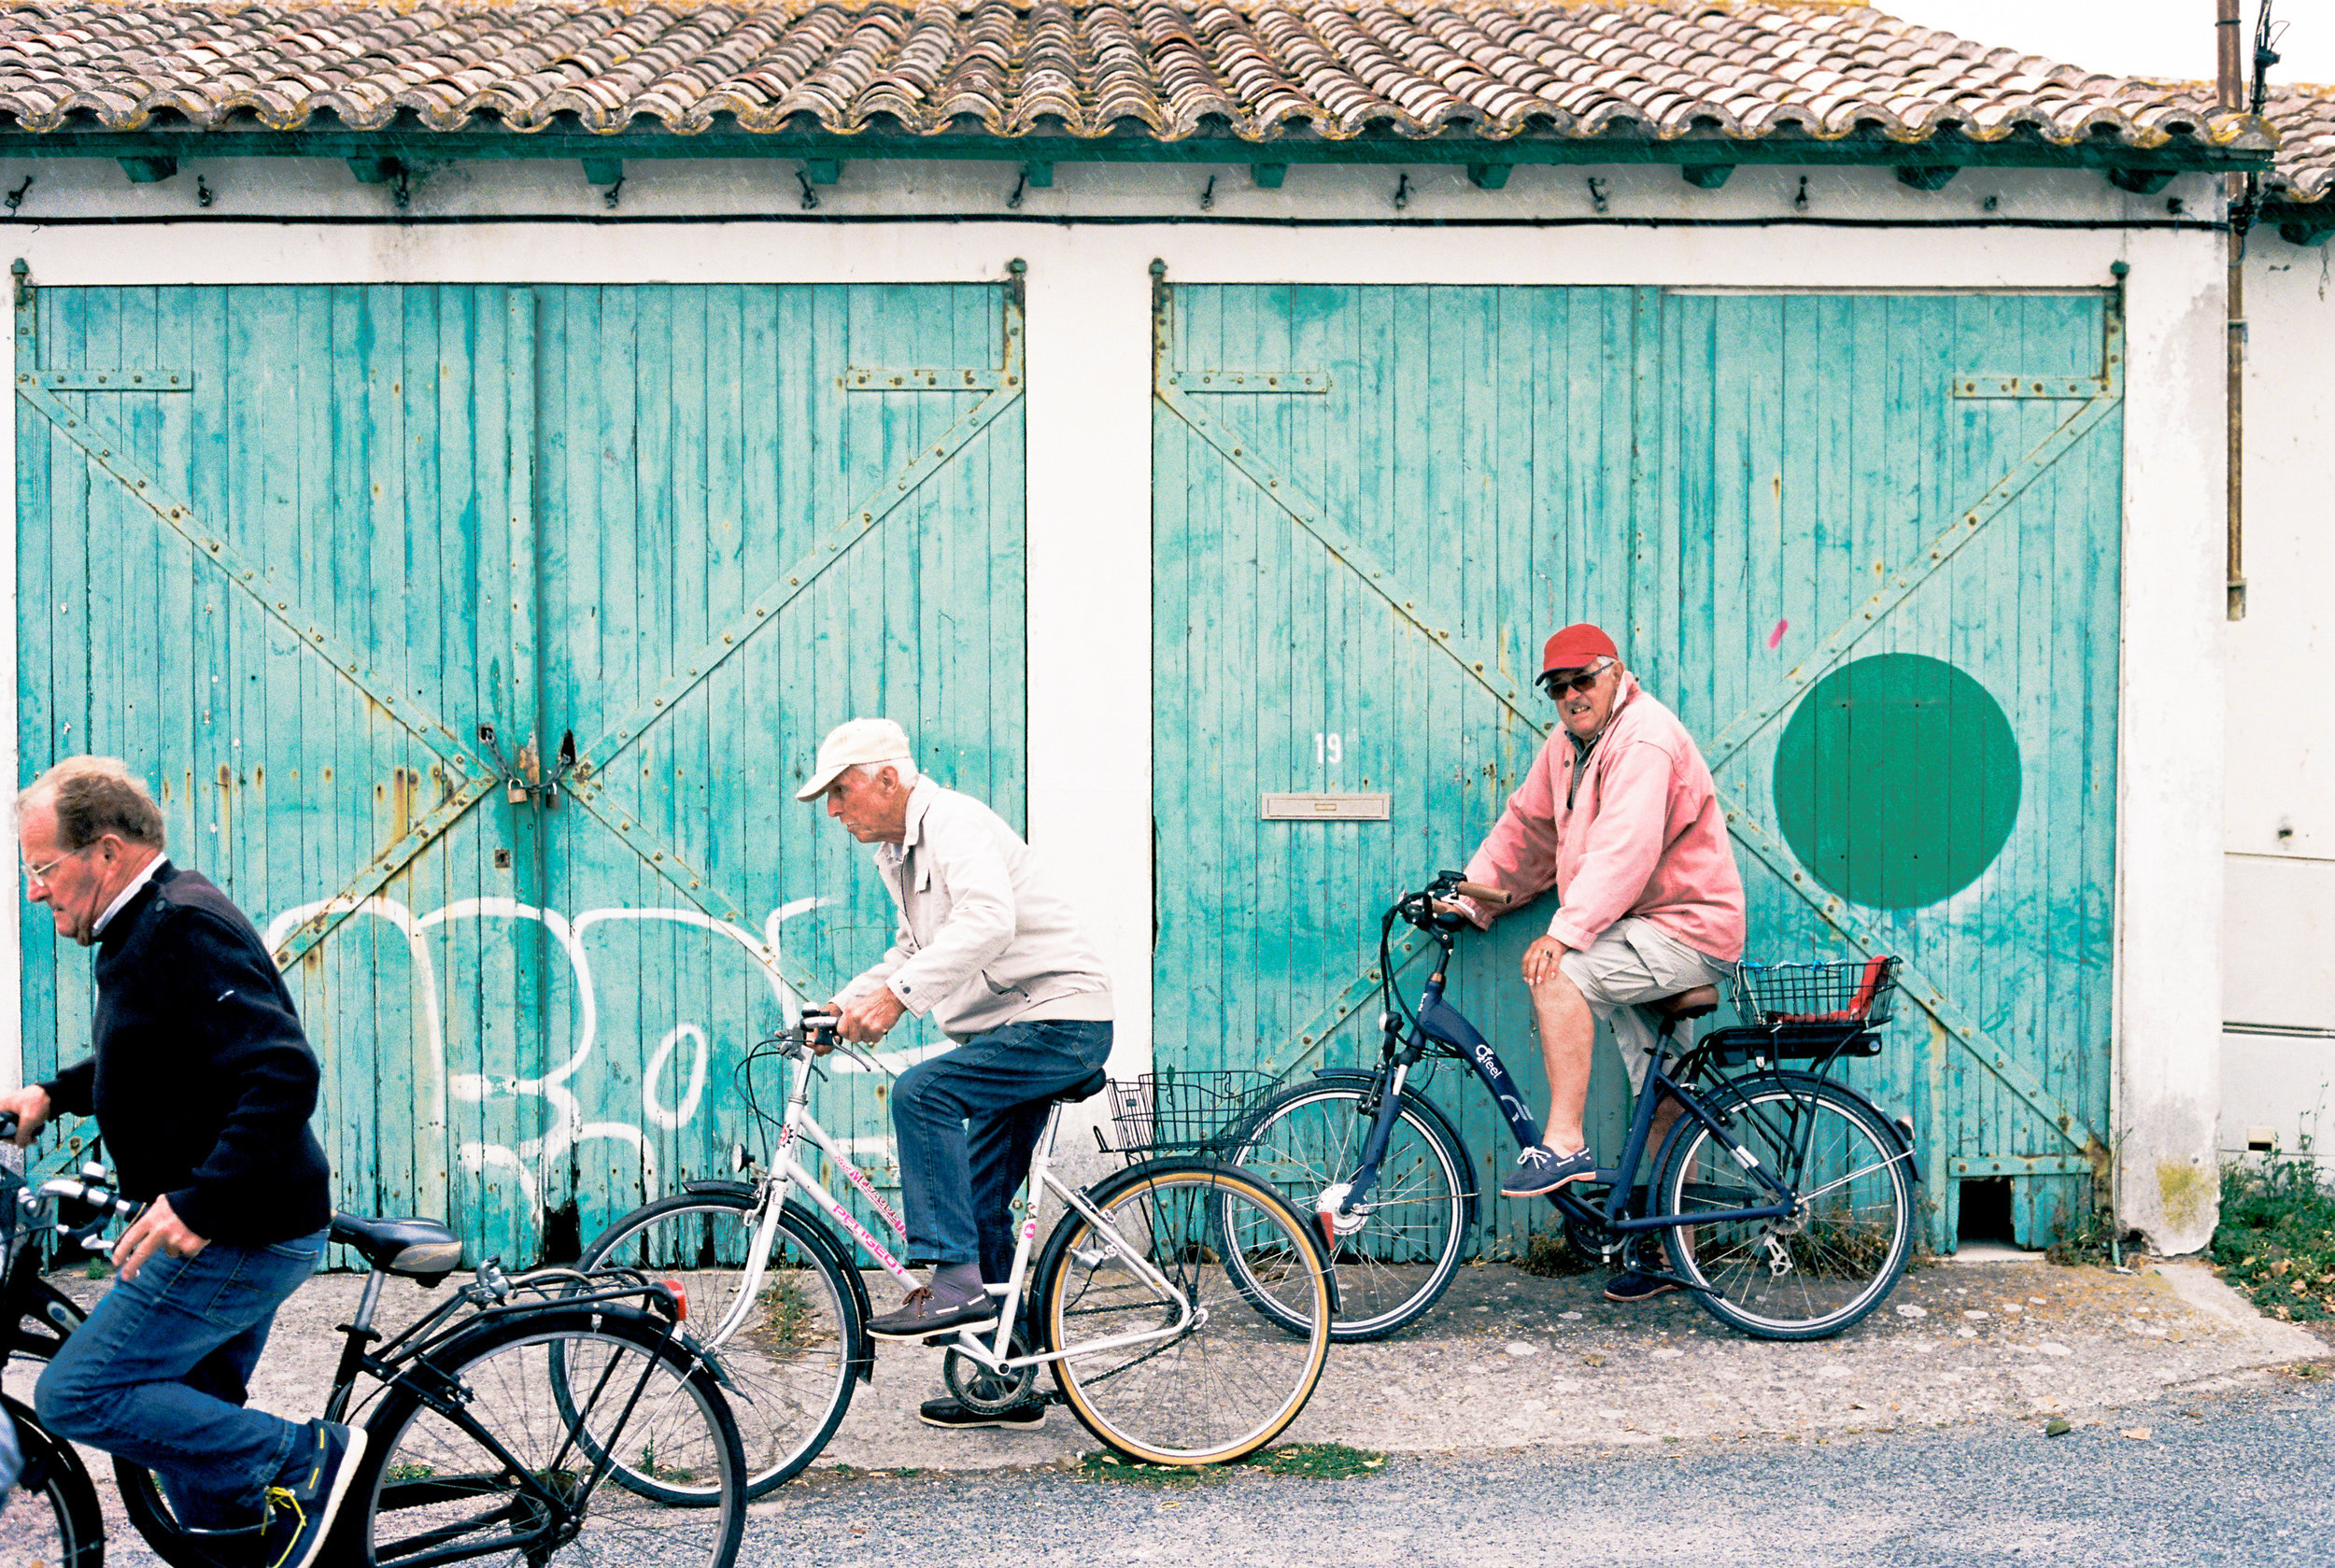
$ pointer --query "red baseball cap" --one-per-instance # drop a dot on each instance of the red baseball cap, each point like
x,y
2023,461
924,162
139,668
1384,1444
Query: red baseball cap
x,y
1577,647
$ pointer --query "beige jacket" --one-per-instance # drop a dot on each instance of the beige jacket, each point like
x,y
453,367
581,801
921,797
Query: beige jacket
x,y
983,938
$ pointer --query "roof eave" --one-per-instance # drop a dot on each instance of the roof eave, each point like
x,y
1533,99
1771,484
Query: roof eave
x,y
1868,147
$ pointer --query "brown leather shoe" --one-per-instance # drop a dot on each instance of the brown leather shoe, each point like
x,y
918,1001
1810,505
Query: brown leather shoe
x,y
919,1318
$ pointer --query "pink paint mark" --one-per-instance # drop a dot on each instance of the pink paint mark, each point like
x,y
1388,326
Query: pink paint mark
x,y
1775,638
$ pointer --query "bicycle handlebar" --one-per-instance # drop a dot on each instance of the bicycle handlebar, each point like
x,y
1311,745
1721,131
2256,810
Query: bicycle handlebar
x,y
1482,894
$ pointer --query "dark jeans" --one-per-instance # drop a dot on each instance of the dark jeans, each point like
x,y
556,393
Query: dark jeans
x,y
967,1123
159,1373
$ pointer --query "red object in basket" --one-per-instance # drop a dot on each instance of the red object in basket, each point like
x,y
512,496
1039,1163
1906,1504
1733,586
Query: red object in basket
x,y
1875,969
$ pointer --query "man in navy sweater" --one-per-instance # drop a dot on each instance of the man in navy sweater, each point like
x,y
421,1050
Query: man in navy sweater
x,y
202,1082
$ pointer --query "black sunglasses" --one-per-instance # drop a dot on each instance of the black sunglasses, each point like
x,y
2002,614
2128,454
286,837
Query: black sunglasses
x,y
1557,684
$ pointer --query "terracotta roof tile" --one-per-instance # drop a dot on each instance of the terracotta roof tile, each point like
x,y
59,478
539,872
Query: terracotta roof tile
x,y
1252,69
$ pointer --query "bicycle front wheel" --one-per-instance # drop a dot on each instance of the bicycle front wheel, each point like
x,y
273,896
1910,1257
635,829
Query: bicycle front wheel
x,y
789,1363
1168,1363
1396,1259
1838,1255
471,1457
51,1519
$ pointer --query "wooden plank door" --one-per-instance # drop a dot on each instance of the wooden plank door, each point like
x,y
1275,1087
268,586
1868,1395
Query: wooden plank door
x,y
344,586
1866,547
251,564
762,511
1879,579
1371,504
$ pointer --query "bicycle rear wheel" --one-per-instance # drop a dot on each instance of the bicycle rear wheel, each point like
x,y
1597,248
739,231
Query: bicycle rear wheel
x,y
1212,1379
470,1455
789,1366
1396,1260
1814,1272
51,1519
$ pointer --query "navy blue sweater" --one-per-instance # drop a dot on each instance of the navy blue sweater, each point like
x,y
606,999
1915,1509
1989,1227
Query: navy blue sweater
x,y
202,1081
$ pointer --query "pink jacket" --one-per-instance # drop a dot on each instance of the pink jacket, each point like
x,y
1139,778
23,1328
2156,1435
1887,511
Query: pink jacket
x,y
1643,836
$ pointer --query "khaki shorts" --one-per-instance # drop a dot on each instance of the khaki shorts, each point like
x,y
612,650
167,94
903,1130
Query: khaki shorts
x,y
1637,961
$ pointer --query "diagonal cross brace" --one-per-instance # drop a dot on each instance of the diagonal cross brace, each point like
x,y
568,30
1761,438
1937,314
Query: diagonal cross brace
x,y
694,885
389,863
1903,583
1859,934
105,449
1309,514
1314,1035
870,510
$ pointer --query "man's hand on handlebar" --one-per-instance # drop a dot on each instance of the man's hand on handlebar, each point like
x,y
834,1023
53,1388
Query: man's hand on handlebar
x,y
866,1019
30,1107
1479,896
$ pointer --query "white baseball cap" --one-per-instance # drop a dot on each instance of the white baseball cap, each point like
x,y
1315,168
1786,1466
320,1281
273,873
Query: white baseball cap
x,y
854,742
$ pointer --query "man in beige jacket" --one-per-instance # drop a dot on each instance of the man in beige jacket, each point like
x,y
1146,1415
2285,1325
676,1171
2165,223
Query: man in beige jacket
x,y
993,954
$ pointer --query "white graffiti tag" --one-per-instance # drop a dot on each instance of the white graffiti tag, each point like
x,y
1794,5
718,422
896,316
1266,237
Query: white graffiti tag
x,y
525,1161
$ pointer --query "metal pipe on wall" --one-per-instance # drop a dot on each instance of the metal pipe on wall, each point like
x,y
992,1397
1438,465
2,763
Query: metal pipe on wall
x,y
2229,81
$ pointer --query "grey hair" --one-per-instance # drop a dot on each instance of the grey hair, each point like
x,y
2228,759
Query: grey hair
x,y
902,769
94,796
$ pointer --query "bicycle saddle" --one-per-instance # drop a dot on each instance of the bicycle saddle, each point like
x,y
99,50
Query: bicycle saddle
x,y
1685,1003
1084,1089
414,1247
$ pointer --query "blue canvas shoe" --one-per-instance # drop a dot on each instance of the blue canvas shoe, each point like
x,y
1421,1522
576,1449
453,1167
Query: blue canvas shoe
x,y
1541,1170
307,1496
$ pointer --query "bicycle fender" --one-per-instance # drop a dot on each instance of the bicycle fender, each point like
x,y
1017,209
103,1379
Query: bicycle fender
x,y
1897,1130
812,1228
1433,1112
721,1188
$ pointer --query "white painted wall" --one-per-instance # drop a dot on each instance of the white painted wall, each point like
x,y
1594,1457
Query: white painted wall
x,y
2279,918
1089,241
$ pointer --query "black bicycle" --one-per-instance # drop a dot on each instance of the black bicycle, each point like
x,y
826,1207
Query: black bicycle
x,y
1783,1196
498,1422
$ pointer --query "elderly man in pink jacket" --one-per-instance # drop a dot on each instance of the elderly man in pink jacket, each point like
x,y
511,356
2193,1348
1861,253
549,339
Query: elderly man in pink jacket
x,y
1617,813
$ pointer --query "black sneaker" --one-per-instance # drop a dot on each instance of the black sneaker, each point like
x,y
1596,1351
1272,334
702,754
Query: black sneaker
x,y
949,1415
1630,1287
303,1504
1541,1170
918,1317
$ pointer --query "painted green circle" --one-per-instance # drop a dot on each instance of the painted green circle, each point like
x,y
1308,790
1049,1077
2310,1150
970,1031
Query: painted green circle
x,y
1897,781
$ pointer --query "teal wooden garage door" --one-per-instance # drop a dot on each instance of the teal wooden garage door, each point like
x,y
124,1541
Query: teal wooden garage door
x,y
476,639
1866,545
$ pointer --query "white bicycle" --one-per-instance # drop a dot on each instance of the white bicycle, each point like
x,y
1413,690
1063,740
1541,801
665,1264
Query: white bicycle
x,y
1182,1305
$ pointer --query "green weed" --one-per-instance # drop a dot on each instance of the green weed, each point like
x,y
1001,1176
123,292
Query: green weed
x,y
1550,1255
1319,1462
2276,1240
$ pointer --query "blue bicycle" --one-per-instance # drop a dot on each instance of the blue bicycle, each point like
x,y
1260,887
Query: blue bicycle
x,y
1783,1197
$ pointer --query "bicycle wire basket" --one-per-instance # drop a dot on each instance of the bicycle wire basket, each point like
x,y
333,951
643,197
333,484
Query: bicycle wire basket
x,y
1861,990
1179,1112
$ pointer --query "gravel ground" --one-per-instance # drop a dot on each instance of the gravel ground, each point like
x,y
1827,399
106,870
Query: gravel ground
x,y
2242,1476
1523,1409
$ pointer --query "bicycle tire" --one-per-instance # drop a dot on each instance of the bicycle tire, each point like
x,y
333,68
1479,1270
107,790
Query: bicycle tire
x,y
51,1519
1229,1381
791,1365
467,1442
1821,1269
1395,1265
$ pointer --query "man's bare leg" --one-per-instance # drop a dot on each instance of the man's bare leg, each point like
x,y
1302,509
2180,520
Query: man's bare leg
x,y
1568,1031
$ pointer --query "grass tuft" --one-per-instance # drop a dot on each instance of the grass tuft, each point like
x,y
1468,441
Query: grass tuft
x,y
2276,1240
1548,1255
1316,1462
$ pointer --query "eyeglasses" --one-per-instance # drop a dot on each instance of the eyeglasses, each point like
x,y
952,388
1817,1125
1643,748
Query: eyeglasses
x,y
41,873
1556,686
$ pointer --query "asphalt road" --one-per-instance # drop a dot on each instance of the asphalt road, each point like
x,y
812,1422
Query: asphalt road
x,y
2245,1477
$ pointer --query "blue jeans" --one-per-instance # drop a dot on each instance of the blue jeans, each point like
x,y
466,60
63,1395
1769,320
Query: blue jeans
x,y
967,1123
159,1374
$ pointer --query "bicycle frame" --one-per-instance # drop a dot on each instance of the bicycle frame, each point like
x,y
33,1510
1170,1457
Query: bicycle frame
x,y
787,1173
1436,1022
